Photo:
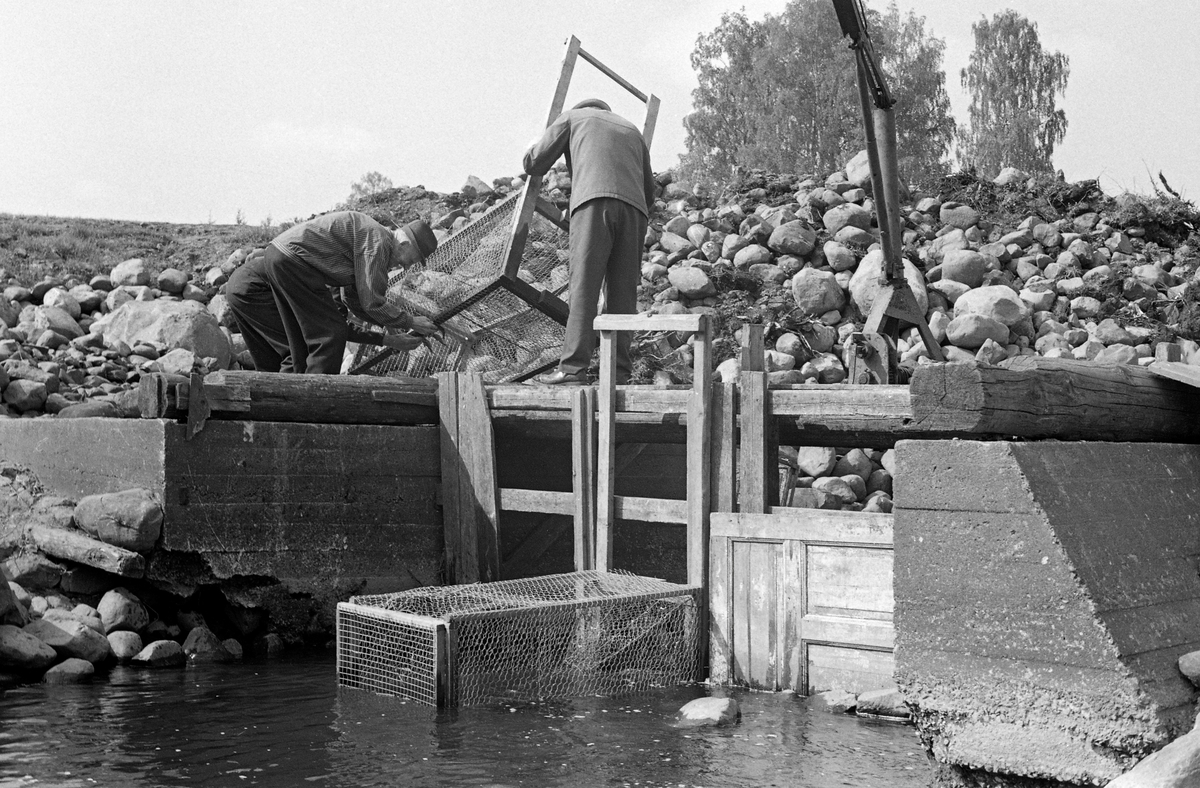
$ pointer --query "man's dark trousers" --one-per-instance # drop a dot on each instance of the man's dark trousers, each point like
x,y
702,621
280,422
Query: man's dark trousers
x,y
315,328
606,240
253,306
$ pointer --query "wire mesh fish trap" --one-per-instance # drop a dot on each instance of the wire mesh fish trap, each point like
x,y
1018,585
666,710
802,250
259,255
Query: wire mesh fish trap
x,y
558,636
503,328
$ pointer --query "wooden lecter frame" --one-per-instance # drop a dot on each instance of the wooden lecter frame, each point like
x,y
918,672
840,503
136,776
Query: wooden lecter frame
x,y
530,201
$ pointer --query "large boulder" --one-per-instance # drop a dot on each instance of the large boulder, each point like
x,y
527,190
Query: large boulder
x,y
998,302
691,282
20,650
865,283
846,215
965,266
71,638
794,237
817,292
121,610
184,324
971,331
56,319
131,518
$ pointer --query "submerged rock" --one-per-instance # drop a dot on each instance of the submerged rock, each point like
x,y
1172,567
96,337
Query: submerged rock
x,y
160,654
70,671
836,701
709,711
201,645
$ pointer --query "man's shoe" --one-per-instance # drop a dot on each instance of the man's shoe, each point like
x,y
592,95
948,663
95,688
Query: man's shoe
x,y
559,378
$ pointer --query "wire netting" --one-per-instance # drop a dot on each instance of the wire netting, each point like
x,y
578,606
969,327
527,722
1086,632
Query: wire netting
x,y
380,651
582,633
488,328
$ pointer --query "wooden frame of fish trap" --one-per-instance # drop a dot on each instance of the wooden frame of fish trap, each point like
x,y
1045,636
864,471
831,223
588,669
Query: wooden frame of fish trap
x,y
588,632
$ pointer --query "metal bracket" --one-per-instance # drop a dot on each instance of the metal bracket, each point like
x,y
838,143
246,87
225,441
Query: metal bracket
x,y
198,406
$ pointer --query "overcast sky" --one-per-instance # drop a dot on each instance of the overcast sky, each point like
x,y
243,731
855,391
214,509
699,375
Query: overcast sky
x,y
194,111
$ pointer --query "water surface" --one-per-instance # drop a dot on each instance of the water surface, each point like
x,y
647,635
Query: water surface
x,y
286,723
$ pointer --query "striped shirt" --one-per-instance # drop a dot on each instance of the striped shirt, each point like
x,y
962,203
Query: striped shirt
x,y
352,251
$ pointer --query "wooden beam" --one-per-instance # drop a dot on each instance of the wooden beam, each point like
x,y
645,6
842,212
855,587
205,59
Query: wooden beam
x,y
629,399
583,475
325,399
1034,397
611,322
650,510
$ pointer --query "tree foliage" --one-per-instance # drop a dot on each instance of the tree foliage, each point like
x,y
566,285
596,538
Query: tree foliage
x,y
1013,121
369,186
781,94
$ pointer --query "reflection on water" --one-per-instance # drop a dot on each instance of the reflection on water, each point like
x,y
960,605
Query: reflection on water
x,y
286,723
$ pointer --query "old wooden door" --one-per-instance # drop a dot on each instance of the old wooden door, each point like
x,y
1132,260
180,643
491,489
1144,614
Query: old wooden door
x,y
801,599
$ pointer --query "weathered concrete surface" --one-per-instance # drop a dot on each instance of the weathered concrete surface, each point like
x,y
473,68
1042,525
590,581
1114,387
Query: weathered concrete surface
x,y
1044,592
78,457
327,509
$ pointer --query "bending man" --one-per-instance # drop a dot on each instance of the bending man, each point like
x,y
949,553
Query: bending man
x,y
612,191
283,303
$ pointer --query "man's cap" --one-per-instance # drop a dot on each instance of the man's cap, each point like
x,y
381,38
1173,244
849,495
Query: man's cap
x,y
593,103
421,236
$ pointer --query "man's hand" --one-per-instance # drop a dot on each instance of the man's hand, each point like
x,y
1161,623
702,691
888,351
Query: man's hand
x,y
423,326
402,342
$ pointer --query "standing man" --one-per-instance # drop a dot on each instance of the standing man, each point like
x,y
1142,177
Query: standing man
x,y
283,303
612,191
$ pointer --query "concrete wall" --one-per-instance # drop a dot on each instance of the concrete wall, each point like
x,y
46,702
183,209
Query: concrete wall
x,y
1044,592
78,457
288,517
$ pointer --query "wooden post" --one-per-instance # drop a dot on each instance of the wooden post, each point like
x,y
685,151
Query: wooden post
x,y
724,448
699,450
753,404
606,454
478,449
452,474
583,455
1168,351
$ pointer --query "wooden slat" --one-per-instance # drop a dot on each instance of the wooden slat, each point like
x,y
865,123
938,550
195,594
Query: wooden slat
x,y
650,510
606,439
614,76
544,501
629,399
651,120
741,618
1037,397
763,584
723,460
792,594
452,473
699,455
753,469
583,466
809,525
838,629
720,638
1177,370
481,534
609,322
